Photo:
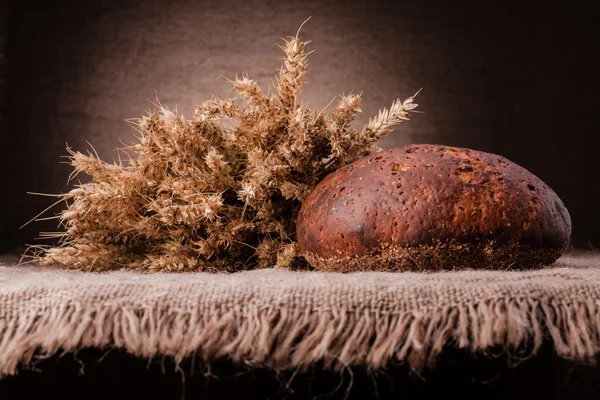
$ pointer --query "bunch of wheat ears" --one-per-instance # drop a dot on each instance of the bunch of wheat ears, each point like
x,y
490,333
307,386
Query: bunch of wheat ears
x,y
220,191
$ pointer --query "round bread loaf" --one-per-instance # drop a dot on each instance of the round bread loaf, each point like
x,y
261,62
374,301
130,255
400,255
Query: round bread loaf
x,y
430,207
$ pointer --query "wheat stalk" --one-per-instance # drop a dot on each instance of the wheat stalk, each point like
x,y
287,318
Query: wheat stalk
x,y
386,119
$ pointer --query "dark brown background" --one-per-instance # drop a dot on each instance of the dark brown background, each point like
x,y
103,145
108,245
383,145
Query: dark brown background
x,y
514,79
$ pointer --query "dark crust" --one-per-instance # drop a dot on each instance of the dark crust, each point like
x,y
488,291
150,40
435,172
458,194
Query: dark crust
x,y
439,257
426,200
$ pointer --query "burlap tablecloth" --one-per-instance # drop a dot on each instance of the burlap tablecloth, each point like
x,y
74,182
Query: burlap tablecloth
x,y
282,319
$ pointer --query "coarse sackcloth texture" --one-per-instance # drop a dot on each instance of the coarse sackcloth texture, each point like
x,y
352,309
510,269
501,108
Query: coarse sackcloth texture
x,y
282,319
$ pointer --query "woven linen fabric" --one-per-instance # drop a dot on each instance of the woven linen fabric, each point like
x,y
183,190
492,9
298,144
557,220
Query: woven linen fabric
x,y
284,319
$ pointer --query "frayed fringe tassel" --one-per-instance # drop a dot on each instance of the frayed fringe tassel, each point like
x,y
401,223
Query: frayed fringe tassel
x,y
284,338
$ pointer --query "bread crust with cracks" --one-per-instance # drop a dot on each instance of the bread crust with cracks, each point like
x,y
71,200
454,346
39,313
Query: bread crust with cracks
x,y
431,207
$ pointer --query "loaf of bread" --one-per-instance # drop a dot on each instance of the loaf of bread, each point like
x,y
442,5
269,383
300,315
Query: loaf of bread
x,y
430,207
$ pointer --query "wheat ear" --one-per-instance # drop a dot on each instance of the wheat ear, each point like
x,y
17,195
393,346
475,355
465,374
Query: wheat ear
x,y
382,124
